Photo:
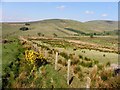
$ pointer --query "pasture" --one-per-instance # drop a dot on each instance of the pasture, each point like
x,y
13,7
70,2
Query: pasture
x,y
58,54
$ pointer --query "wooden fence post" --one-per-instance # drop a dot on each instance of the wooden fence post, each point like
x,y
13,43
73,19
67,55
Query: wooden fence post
x,y
45,53
40,50
56,60
68,72
88,82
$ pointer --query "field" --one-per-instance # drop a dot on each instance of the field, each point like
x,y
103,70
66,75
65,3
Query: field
x,y
61,58
63,46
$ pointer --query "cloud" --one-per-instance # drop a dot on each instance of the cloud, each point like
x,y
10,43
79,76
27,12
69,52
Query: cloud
x,y
61,7
104,15
89,12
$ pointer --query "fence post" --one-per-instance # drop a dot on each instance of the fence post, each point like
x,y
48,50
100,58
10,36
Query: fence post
x,y
68,71
88,82
40,50
45,53
56,60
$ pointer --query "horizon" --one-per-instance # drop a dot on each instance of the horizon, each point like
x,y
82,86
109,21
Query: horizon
x,y
27,11
55,19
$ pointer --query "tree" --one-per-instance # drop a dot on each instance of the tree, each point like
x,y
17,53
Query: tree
x,y
43,35
91,35
27,24
39,34
24,28
95,33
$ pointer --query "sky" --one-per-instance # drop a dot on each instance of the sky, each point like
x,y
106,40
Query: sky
x,y
60,0
80,11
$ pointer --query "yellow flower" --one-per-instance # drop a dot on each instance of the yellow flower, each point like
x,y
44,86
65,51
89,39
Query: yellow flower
x,y
31,56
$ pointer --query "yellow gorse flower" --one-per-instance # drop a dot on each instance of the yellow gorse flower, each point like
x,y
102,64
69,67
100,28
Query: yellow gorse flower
x,y
31,56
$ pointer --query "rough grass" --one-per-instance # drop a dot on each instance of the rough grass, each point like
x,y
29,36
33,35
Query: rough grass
x,y
17,73
102,57
111,41
10,52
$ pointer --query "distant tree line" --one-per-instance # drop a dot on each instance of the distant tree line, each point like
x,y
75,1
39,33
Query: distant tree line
x,y
114,32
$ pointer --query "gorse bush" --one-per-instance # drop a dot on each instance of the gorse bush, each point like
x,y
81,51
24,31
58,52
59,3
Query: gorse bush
x,y
35,58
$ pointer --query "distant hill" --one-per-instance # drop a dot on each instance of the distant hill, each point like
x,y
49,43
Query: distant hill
x,y
102,25
60,27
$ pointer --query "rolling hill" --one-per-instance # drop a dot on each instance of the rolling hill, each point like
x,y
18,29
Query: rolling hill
x,y
102,25
60,27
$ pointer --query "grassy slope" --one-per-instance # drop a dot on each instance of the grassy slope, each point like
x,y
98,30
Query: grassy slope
x,y
57,26
10,29
48,27
102,25
10,52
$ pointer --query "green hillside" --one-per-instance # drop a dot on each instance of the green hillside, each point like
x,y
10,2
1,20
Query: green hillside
x,y
60,27
102,25
42,61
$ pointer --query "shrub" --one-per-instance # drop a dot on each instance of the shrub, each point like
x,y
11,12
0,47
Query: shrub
x,y
39,34
100,66
65,55
74,49
114,82
75,59
80,56
87,59
55,35
60,61
91,35
77,69
34,58
24,28
50,51
108,64
74,62
96,61
63,62
106,74
27,24
81,76
103,55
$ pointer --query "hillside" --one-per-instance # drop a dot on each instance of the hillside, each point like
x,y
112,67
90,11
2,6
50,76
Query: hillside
x,y
60,27
102,25
80,55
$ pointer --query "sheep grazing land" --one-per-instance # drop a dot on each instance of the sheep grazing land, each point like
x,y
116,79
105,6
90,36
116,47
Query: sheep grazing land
x,y
46,54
